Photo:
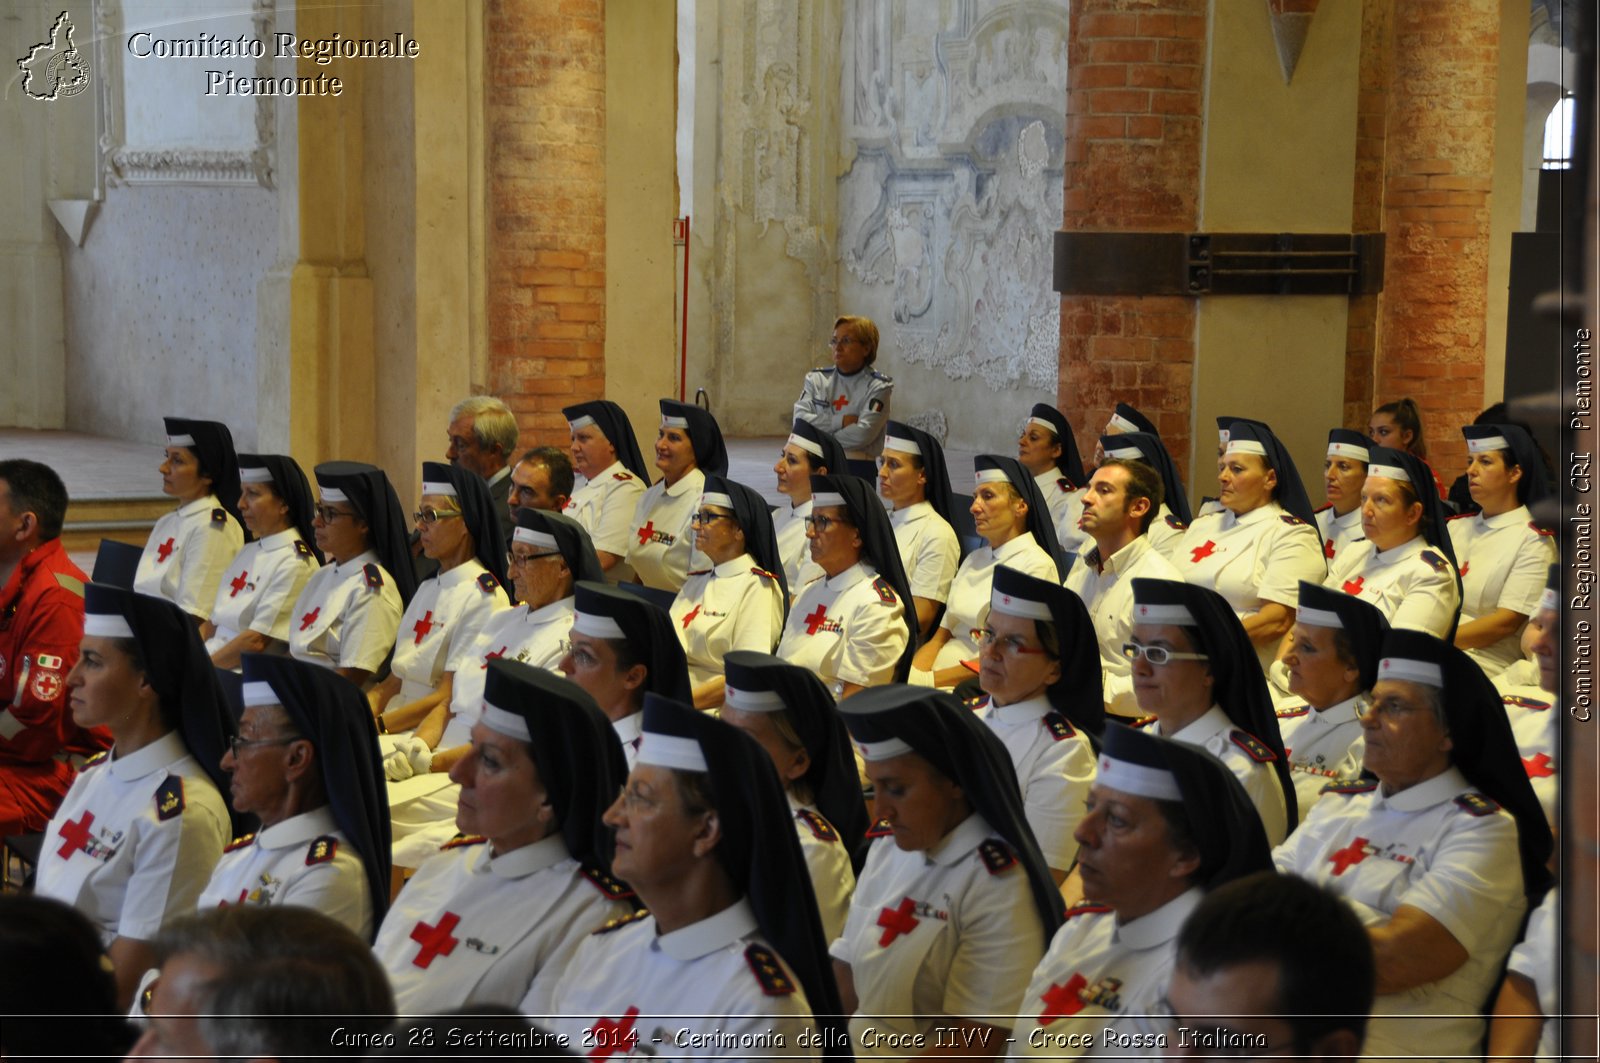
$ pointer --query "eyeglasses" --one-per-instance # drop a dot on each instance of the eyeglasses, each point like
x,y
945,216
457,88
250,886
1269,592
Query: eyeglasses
x,y
1157,655
237,743
1391,707
1006,646
705,516
635,801
820,525
429,515
836,343
327,514
514,560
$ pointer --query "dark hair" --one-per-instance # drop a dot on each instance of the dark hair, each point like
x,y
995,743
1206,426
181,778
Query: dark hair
x,y
1244,921
628,653
52,966
1409,418
1143,482
36,489
171,715
558,461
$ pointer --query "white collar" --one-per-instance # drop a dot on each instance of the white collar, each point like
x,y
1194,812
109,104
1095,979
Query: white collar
x,y
914,512
1022,711
953,847
708,935
1211,723
467,571
629,728
1516,515
849,577
1127,557
357,563
1017,544
1351,518
1429,792
1160,926
1230,519
199,505
554,611
800,509
157,756
1334,715
741,564
280,540
694,479
1412,547
297,829
523,861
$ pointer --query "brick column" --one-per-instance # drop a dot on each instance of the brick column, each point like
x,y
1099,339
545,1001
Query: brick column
x,y
545,198
1133,145
1372,101
1438,170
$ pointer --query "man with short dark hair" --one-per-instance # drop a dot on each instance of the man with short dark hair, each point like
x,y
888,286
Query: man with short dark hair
x,y
1272,965
541,479
1119,505
41,624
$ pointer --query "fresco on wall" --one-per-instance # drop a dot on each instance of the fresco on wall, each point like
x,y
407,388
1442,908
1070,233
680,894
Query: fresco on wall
x,y
951,149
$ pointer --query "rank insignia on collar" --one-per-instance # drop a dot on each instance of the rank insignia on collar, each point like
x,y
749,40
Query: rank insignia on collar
x,y
1144,721
997,856
463,840
487,583
615,889
768,971
169,798
1546,532
301,549
1476,804
1294,714
1058,726
219,516
622,921
322,850
240,842
820,827
1174,522
1363,786
1518,701
1435,562
1290,519
96,759
880,829
763,573
1255,748
623,476
1089,908
374,575
885,591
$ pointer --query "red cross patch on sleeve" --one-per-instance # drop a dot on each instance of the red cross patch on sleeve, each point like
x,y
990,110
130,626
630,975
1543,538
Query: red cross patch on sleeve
x,y
169,798
768,971
322,850
1253,746
997,856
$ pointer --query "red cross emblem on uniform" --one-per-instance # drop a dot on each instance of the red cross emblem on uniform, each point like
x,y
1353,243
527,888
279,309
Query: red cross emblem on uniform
x,y
1327,549
1201,552
1351,854
645,532
238,583
612,1037
897,921
1353,586
422,627
688,617
840,403
1539,766
164,551
501,652
75,836
814,619
309,619
435,940
46,685
1062,1000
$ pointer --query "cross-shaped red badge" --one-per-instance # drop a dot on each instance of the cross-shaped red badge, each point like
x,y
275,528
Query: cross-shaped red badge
x,y
1464,569
75,836
501,652
164,551
1201,552
814,619
422,627
435,940
612,1037
645,532
688,617
897,921
1539,766
238,583
1062,999
1327,549
840,403
1353,853
309,619
1353,586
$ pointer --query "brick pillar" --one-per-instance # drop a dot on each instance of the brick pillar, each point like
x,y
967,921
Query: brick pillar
x,y
545,198
1372,101
1438,171
1133,144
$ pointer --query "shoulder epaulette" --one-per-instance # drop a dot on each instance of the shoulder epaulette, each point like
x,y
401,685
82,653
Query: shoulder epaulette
x,y
1065,484
374,575
623,920
1435,561
1088,908
1290,519
169,798
1174,522
885,377
1325,505
1362,786
1546,532
818,824
321,850
1476,804
1058,726
1255,748
1143,721
758,571
96,759
240,842
1462,516
997,856
1522,702
219,516
1293,714
622,476
978,703
700,572
487,583
465,839
768,971
301,549
825,370
613,888
880,829
885,591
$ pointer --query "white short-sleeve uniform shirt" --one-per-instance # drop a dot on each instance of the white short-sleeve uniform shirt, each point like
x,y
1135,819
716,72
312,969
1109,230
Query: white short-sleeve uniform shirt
x,y
828,861
848,628
1338,532
537,637
928,550
1248,758
1107,592
1055,766
661,545
733,606
259,590
1504,561
1325,747
188,551
445,615
1413,584
605,505
789,523
304,860
347,615
968,605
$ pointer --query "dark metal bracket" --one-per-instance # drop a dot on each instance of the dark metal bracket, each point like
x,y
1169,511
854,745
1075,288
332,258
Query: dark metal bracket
x,y
1134,263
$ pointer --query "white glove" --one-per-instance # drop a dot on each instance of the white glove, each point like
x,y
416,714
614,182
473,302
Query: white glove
x,y
920,678
421,756
397,765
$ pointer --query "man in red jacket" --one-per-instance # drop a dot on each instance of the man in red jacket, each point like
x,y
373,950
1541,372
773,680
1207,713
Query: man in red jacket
x,y
41,623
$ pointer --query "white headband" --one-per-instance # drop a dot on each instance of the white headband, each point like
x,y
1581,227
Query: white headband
x,y
180,441
887,749
1157,784
991,476
581,421
1551,599
1042,423
1124,424
107,626
1126,453
333,494
670,751
753,700
1244,446
1347,450
1319,617
1424,672
807,445
1389,472
596,627
1011,605
534,538
255,474
505,723
1178,615
669,421
258,693
716,498
1484,443
429,487
823,499
900,443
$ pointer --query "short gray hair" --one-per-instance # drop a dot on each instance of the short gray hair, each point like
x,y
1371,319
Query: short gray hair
x,y
493,423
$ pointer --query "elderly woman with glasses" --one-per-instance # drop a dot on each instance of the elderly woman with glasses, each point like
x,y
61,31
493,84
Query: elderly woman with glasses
x,y
348,613
189,548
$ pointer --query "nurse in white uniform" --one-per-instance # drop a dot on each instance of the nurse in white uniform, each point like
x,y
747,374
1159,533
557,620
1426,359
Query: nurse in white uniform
x,y
189,548
955,904
1166,823
255,601
1172,519
1124,418
912,478
661,544
791,714
348,613
605,453
1344,470
809,451
728,957
1011,516
136,837
1531,692
1048,450
1439,857
499,911
1501,553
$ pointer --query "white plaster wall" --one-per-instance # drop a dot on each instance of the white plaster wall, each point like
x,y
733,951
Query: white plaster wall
x,y
162,309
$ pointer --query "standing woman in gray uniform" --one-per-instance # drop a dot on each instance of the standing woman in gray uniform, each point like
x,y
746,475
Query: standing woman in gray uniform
x,y
850,398
913,479
348,613
809,452
189,548
688,446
